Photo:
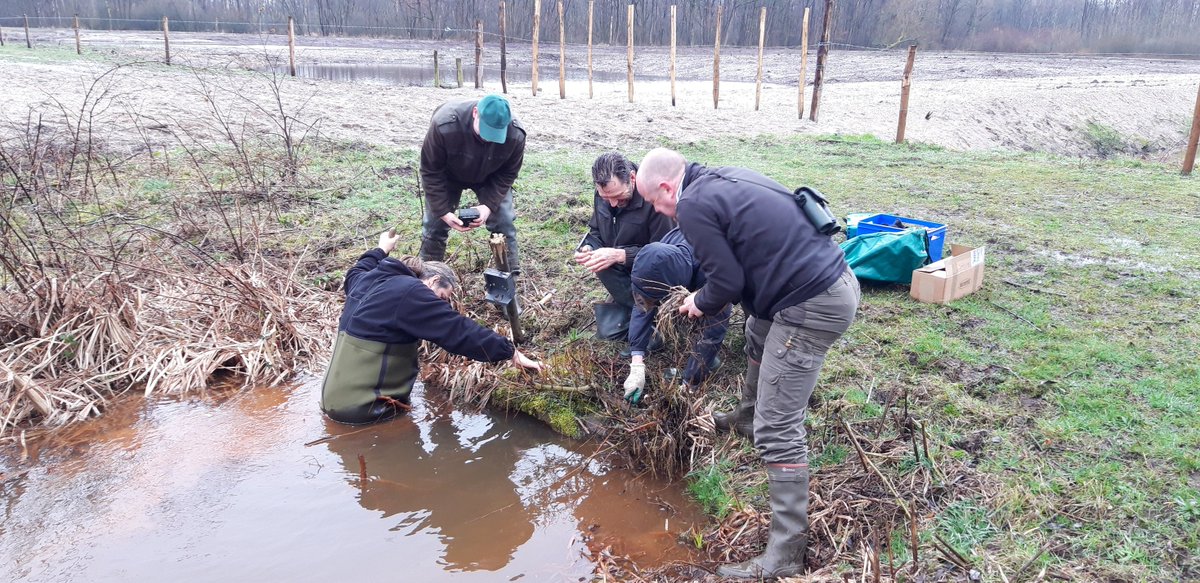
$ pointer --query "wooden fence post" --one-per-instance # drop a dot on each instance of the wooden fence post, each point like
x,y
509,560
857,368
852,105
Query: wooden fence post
x,y
1189,159
822,54
629,59
591,5
717,59
1,36
167,40
803,62
78,46
503,50
291,47
458,71
437,74
537,23
672,55
762,35
28,43
478,54
562,53
904,86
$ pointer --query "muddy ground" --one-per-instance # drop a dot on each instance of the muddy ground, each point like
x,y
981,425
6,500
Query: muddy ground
x,y
962,101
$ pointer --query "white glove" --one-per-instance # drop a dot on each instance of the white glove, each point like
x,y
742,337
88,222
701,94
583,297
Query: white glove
x,y
635,382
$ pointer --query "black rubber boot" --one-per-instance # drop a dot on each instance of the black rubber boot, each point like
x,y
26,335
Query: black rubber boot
x,y
741,419
788,540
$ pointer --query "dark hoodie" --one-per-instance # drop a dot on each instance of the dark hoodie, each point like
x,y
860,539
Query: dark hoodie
x,y
388,311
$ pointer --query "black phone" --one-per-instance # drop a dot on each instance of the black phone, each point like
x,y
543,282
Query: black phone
x,y
468,215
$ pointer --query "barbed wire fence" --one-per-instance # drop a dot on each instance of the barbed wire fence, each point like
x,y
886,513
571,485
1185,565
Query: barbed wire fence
x,y
409,69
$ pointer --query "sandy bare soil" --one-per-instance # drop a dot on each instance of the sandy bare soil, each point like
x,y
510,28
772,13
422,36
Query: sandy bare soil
x,y
960,101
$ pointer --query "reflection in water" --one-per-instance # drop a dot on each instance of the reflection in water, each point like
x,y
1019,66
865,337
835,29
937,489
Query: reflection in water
x,y
423,74
205,488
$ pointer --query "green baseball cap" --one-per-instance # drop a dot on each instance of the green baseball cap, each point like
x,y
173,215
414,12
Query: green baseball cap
x,y
494,117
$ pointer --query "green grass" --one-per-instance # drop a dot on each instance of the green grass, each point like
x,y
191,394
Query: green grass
x,y
711,487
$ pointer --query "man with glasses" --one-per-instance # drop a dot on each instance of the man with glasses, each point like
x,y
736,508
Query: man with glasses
x,y
622,223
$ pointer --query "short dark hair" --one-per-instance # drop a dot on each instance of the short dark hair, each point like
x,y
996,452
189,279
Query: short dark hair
x,y
612,165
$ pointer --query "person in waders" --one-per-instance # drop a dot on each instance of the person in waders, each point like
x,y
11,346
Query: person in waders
x,y
756,244
391,305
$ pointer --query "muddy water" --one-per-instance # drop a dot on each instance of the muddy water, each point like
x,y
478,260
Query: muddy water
x,y
423,75
233,489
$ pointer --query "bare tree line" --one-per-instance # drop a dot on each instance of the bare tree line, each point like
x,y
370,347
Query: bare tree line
x,y
1163,26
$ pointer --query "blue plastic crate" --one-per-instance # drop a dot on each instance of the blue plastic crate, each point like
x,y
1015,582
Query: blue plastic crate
x,y
881,223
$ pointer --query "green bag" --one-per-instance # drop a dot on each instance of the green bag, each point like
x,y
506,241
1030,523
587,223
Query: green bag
x,y
887,257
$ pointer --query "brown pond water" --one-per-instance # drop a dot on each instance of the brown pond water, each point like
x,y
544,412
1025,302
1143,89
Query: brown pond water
x,y
225,489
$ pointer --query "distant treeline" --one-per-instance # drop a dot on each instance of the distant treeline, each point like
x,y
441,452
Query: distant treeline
x,y
1098,26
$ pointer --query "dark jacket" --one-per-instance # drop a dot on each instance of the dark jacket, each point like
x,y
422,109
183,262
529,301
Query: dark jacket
x,y
388,312
628,228
658,268
755,244
454,157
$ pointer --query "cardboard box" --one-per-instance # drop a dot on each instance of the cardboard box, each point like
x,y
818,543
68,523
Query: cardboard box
x,y
951,278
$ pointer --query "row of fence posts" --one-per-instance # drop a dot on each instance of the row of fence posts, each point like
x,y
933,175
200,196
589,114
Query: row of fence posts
x,y
1189,161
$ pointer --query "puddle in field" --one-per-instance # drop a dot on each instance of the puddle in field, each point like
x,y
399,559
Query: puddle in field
x,y
423,74
227,489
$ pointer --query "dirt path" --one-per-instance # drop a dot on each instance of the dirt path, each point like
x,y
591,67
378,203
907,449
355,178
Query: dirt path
x,y
960,101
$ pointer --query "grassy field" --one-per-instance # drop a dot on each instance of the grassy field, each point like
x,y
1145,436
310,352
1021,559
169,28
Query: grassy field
x,y
1069,381
1068,384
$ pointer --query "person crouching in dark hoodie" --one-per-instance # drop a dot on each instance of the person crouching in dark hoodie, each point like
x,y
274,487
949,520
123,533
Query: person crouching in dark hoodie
x,y
391,305
658,268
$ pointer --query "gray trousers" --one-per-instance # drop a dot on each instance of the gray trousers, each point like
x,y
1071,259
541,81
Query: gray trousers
x,y
435,231
791,350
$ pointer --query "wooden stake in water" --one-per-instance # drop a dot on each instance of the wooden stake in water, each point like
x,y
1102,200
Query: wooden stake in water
x,y
629,59
1189,159
28,43
762,35
717,59
803,62
822,54
478,54
291,47
591,5
672,55
78,47
503,50
1,36
905,83
562,53
167,40
537,24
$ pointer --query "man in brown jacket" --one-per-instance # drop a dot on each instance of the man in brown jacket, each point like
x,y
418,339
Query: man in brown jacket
x,y
475,145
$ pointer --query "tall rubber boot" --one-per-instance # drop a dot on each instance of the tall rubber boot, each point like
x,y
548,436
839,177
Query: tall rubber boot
x,y
741,419
788,540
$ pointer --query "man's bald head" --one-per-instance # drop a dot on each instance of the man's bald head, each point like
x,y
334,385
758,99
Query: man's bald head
x,y
659,179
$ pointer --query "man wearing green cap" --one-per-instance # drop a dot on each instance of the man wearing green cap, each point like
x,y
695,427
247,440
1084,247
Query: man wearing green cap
x,y
475,145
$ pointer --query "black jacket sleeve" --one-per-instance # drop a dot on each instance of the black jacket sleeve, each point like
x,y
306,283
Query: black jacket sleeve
x,y
726,279
433,171
431,318
366,262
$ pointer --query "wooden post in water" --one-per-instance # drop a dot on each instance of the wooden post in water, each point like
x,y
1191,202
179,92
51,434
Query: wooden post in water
x,y
762,35
167,40
28,43
591,5
822,54
437,74
717,59
1189,159
1,36
503,50
78,46
458,70
562,53
291,47
478,54
672,55
803,63
904,86
629,52
537,24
